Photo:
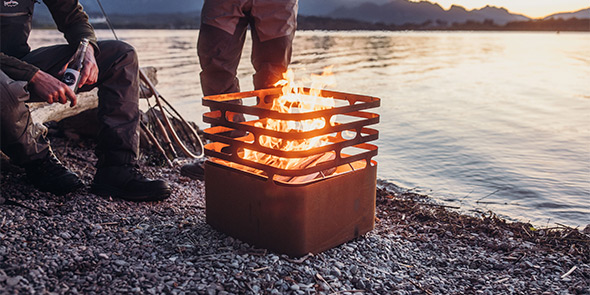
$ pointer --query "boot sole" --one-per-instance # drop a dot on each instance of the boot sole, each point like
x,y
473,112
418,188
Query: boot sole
x,y
60,191
106,191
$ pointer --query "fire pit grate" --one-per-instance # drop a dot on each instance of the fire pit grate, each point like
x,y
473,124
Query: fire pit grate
x,y
326,199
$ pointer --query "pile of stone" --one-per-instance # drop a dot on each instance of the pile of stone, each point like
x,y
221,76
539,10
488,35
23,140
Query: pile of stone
x,y
84,244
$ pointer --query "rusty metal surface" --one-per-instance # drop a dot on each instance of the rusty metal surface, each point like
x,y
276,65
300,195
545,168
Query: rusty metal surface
x,y
294,219
352,107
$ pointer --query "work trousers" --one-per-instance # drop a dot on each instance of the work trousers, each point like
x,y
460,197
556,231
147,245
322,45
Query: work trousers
x,y
220,53
118,108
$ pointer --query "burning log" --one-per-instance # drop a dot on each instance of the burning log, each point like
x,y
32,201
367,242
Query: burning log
x,y
310,161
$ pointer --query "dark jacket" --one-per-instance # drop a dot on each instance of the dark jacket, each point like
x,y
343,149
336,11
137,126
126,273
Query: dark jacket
x,y
16,19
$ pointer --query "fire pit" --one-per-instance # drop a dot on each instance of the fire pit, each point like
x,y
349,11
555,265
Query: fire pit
x,y
299,179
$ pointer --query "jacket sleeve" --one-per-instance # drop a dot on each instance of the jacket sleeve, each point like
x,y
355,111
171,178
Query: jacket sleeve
x,y
17,69
72,21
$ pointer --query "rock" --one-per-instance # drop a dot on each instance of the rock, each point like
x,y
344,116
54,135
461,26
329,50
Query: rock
x,y
335,272
13,281
95,245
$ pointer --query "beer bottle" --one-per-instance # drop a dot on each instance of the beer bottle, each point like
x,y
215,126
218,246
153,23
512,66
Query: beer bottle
x,y
72,75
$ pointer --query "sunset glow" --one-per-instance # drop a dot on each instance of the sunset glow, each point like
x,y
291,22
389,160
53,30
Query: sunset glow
x,y
530,8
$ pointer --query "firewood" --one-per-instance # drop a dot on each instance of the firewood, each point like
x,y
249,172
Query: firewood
x,y
309,162
42,112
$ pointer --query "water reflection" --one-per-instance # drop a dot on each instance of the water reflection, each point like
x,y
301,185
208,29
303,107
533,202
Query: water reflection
x,y
486,121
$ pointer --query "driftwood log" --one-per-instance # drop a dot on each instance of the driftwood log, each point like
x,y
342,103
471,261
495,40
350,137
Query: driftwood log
x,y
42,112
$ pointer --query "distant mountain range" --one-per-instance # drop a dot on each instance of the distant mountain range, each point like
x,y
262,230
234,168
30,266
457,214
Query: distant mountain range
x,y
400,12
580,14
135,7
186,13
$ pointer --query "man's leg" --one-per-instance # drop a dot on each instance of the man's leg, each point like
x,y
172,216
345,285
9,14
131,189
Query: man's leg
x,y
273,29
118,92
26,145
20,141
270,59
118,139
219,55
118,104
118,115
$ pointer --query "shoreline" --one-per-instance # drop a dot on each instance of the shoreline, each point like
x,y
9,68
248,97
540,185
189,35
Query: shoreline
x,y
83,244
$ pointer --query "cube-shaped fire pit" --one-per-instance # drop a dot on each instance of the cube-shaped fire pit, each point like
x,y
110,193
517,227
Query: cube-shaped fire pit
x,y
266,189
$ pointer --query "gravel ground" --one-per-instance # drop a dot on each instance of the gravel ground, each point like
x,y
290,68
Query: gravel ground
x,y
85,244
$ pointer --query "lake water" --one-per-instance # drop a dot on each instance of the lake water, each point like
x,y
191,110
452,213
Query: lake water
x,y
478,120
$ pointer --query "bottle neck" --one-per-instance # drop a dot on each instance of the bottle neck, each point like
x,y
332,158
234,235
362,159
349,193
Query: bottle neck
x,y
78,60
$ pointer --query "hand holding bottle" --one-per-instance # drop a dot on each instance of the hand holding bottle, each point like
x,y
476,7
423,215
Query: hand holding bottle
x,y
89,74
81,69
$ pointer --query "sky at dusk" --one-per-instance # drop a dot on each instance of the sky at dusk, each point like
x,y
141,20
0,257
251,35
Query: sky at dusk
x,y
530,8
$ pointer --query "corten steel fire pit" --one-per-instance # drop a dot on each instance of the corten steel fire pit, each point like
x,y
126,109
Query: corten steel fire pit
x,y
303,209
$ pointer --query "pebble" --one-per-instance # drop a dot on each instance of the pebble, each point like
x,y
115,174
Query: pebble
x,y
335,272
94,245
13,281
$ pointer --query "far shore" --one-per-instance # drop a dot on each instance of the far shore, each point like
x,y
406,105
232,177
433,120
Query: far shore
x,y
309,23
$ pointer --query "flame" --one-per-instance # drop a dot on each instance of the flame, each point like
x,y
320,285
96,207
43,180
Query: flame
x,y
294,100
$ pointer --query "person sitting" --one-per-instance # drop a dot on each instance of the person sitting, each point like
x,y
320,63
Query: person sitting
x,y
27,75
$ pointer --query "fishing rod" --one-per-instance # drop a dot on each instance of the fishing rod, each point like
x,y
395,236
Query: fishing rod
x,y
107,19
188,130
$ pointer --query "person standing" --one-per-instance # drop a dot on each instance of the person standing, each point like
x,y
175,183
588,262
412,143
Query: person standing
x,y
27,75
221,40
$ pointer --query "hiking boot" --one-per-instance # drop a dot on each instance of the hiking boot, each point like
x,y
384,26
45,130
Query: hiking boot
x,y
127,183
50,175
194,170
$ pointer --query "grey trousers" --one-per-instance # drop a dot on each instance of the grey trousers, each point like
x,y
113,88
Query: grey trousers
x,y
220,52
19,139
118,108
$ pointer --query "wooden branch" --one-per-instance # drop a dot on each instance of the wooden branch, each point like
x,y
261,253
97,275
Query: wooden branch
x,y
42,112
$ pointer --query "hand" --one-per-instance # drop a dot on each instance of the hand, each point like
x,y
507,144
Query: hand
x,y
51,89
89,74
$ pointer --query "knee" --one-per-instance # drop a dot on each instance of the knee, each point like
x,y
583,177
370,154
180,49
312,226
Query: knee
x,y
125,48
12,92
121,50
